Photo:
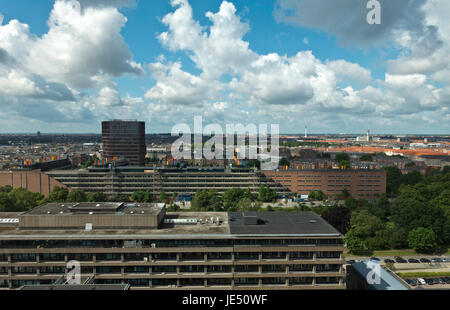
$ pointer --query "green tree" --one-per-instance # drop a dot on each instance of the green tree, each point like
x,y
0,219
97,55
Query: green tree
x,y
162,196
138,196
207,200
312,195
364,223
394,179
423,240
96,197
342,156
283,162
367,158
320,195
173,208
344,163
254,163
266,194
58,194
6,189
22,200
339,218
5,202
76,195
355,244
244,204
345,194
120,198
232,196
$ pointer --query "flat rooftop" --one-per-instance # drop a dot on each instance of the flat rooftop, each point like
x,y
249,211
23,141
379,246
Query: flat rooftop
x,y
185,225
275,223
117,208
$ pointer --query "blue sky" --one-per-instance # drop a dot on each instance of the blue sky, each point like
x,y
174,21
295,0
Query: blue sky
x,y
68,65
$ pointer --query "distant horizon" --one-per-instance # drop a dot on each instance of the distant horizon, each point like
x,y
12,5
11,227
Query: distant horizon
x,y
281,134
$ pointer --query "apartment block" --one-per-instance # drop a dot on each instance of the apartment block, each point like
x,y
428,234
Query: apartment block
x,y
143,246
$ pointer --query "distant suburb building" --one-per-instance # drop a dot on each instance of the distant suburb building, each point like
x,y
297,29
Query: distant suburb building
x,y
125,139
367,184
141,245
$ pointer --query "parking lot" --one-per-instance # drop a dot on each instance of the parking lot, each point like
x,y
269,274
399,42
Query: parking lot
x,y
409,264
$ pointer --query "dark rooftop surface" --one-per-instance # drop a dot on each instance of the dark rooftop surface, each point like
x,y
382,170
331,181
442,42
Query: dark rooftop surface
x,y
286,223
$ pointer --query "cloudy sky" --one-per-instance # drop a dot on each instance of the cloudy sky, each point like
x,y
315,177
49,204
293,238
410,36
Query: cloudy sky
x,y
67,65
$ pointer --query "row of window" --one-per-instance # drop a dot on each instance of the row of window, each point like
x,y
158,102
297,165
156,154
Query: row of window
x,y
173,269
163,243
26,257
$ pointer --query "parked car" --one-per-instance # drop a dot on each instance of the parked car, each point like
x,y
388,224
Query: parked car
x,y
429,281
436,260
421,281
447,280
435,281
445,259
441,281
351,261
424,260
413,261
375,258
411,282
389,261
399,259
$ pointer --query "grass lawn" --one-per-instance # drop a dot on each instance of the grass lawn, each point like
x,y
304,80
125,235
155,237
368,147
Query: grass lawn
x,y
406,252
423,274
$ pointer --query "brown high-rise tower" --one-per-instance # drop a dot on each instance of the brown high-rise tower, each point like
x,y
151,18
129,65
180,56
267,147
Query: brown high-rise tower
x,y
124,139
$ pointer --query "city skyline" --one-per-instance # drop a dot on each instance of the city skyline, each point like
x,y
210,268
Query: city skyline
x,y
67,65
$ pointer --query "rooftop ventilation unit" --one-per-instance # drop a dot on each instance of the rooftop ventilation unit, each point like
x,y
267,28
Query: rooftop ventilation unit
x,y
181,221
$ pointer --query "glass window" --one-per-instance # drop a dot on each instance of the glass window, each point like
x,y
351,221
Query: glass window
x,y
246,281
192,268
219,255
108,256
137,282
136,269
218,269
327,280
301,267
164,282
273,268
301,255
246,268
219,282
274,255
50,257
300,281
192,256
164,269
192,282
164,256
246,256
108,269
274,281
79,256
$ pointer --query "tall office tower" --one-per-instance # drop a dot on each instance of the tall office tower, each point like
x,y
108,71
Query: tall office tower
x,y
124,139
